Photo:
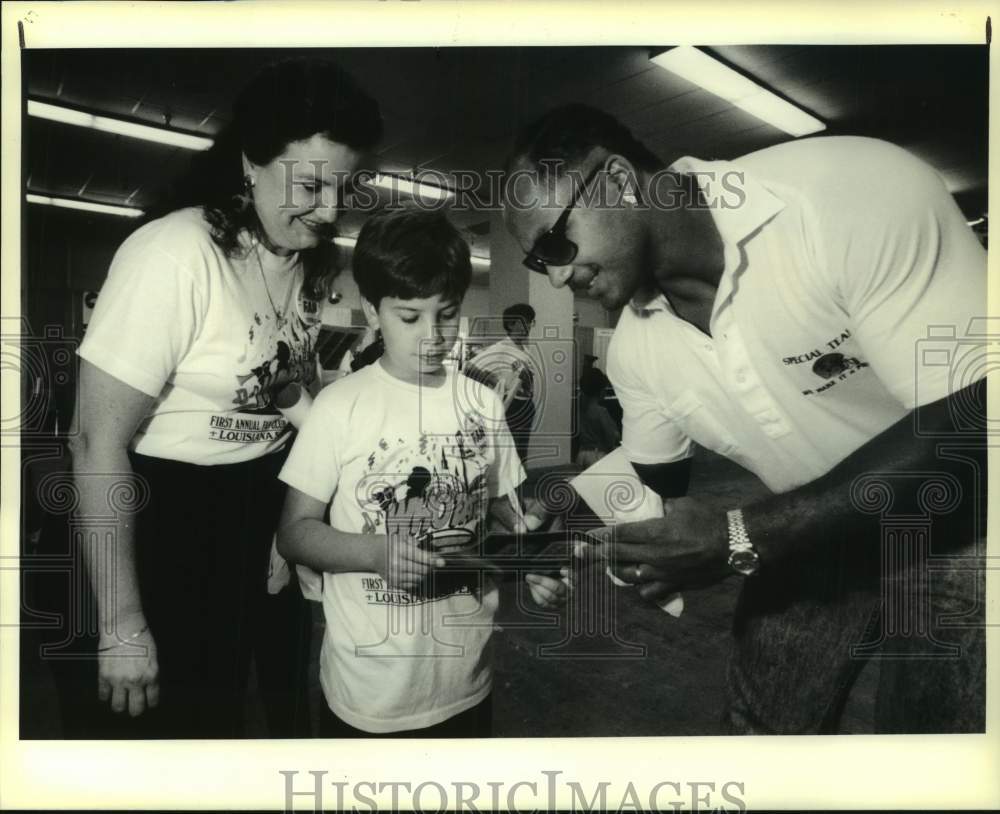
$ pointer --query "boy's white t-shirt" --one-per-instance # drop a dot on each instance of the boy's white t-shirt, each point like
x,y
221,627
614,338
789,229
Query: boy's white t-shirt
x,y
180,320
418,459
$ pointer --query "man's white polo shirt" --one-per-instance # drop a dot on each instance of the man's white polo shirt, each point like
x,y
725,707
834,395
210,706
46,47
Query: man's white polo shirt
x,y
841,255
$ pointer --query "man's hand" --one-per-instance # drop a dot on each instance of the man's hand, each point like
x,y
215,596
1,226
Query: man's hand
x,y
687,548
127,669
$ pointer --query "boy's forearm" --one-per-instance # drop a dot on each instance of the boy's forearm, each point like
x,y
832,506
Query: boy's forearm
x,y
313,543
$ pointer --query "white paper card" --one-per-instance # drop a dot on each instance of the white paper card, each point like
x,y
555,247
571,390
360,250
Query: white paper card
x,y
614,492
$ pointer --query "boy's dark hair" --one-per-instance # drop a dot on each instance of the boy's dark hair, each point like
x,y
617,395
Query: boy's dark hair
x,y
568,133
518,314
411,254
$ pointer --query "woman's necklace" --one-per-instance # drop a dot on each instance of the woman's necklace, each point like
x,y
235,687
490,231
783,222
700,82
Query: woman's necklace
x,y
279,316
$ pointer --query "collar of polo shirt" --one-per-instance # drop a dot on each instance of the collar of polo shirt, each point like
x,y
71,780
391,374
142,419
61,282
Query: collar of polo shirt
x,y
740,205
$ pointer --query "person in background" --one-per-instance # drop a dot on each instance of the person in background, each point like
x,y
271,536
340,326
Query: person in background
x,y
608,399
590,365
508,368
208,312
774,310
392,462
598,434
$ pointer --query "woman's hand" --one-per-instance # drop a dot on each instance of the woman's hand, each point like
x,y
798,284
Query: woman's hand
x,y
127,669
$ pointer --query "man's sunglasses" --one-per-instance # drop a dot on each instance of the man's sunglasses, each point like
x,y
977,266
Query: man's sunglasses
x,y
553,248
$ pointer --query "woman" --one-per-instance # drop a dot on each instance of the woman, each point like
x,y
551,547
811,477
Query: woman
x,y
207,313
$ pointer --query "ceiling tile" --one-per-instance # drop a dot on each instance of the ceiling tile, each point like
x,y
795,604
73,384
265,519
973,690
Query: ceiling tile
x,y
459,108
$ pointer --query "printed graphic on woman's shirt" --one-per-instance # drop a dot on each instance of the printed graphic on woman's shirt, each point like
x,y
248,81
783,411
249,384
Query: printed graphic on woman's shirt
x,y
272,358
419,491
310,309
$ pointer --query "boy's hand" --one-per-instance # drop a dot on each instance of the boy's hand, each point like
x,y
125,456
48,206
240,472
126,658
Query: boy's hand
x,y
505,518
549,592
407,566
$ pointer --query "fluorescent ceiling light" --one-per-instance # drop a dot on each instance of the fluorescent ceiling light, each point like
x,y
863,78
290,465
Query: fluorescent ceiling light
x,y
87,206
482,262
390,182
106,124
708,73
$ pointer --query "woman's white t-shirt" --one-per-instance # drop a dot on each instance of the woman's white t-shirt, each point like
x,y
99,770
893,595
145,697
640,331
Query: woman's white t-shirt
x,y
183,322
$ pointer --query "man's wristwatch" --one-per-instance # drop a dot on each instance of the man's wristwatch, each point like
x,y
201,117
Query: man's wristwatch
x,y
742,557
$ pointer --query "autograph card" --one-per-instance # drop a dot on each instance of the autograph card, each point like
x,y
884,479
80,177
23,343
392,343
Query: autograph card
x,y
614,492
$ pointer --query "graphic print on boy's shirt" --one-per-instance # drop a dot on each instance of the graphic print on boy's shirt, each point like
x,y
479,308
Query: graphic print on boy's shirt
x,y
413,489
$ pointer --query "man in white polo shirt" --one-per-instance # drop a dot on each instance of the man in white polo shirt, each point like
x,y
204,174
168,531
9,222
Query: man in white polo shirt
x,y
809,311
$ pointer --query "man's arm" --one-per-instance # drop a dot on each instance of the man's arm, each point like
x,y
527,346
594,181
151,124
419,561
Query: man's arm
x,y
689,546
788,525
610,436
667,480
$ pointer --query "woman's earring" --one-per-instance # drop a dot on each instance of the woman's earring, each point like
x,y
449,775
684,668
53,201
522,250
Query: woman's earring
x,y
246,196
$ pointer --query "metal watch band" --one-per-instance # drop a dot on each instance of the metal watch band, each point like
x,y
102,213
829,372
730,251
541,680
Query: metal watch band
x,y
742,557
738,537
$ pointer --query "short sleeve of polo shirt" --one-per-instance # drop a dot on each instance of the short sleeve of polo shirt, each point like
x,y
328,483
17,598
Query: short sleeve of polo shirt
x,y
906,266
148,312
649,435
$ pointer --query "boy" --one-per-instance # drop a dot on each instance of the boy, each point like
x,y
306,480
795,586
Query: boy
x,y
409,453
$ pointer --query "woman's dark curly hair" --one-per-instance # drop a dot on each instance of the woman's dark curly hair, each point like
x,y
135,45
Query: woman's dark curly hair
x,y
287,101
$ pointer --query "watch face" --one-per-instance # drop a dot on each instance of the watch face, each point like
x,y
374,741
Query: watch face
x,y
745,562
